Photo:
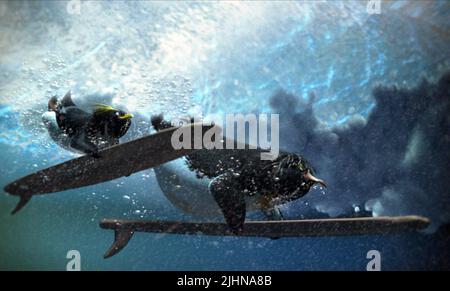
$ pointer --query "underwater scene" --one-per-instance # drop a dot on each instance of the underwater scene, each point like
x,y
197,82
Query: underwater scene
x,y
361,95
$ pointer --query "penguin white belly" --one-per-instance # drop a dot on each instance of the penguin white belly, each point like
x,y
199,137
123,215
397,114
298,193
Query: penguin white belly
x,y
188,193
184,190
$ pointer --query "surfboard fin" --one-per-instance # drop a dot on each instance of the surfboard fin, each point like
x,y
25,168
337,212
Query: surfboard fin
x,y
24,199
121,238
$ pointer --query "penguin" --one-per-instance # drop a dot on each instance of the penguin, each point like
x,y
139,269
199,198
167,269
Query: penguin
x,y
240,181
79,131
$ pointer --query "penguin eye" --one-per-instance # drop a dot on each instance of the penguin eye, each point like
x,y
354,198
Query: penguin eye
x,y
117,114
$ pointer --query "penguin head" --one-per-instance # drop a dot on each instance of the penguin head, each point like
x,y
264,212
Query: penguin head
x,y
115,121
294,176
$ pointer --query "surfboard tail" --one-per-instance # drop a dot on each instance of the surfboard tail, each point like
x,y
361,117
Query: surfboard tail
x,y
121,238
24,199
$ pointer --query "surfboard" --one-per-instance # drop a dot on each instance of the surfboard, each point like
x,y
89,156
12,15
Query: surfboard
x,y
114,162
124,229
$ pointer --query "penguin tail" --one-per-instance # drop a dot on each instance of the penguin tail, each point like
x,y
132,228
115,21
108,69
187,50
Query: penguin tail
x,y
159,123
53,104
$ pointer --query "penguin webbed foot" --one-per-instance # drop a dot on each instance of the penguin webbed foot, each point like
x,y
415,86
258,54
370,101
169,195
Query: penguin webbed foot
x,y
273,213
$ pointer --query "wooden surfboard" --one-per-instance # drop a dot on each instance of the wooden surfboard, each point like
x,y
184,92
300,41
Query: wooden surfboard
x,y
114,162
124,229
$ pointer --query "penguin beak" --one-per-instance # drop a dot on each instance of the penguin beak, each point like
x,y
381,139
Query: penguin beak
x,y
126,116
309,177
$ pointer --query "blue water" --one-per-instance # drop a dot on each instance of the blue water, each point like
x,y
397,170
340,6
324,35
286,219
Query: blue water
x,y
206,57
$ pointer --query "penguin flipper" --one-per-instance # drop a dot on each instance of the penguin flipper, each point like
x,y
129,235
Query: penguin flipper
x,y
230,200
83,144
73,119
67,100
